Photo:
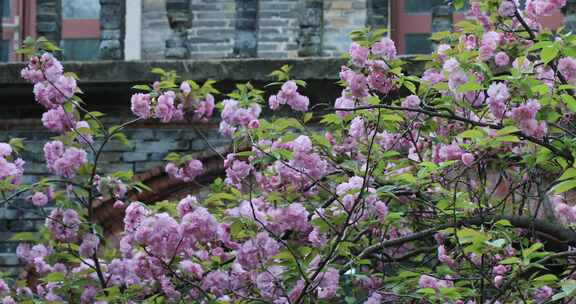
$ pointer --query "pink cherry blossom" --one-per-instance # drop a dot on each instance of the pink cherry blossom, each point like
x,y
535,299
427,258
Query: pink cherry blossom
x,y
385,48
501,59
63,161
39,199
359,54
187,172
89,245
567,66
141,105
57,120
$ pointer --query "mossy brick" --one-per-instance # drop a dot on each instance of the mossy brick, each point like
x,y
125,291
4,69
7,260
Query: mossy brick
x,y
145,166
134,156
116,146
139,134
110,157
161,146
9,259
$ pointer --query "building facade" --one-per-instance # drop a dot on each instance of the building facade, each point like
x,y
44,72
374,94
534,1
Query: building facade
x,y
204,29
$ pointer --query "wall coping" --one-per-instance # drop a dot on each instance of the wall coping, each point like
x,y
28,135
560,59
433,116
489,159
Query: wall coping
x,y
231,69
253,69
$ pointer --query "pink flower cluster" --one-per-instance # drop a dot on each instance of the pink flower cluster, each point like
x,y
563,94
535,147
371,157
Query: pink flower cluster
x,y
543,294
501,59
203,107
166,110
539,8
565,213
498,94
525,118
344,102
51,87
507,8
140,105
187,205
374,60
385,49
452,152
187,172
10,170
234,115
427,281
236,171
89,245
255,252
350,193
476,12
34,256
57,120
62,160
489,44
305,166
289,95
356,83
567,66
63,224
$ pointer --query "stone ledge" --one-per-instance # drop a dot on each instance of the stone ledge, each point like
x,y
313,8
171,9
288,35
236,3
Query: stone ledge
x,y
252,69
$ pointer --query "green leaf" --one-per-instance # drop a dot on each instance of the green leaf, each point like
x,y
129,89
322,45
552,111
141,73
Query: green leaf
x,y
541,89
569,173
410,86
307,117
470,86
548,54
569,101
17,144
54,277
24,236
472,134
142,87
497,243
546,278
564,186
503,223
507,138
69,107
510,261
458,4
533,248
507,130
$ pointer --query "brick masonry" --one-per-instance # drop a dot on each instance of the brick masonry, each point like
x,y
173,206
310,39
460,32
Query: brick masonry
x,y
214,28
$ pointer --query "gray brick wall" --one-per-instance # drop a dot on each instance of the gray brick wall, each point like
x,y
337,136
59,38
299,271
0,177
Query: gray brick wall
x,y
212,32
278,28
213,27
340,18
155,29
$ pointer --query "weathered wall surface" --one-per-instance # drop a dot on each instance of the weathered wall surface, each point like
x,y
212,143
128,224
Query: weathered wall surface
x,y
212,33
340,18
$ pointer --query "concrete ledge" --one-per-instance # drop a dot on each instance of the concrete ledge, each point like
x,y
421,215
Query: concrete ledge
x,y
255,69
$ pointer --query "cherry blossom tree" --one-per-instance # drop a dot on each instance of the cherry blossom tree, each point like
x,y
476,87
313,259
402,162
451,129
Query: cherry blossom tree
x,y
454,186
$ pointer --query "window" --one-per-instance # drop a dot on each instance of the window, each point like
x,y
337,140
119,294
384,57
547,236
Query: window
x,y
418,44
421,6
425,6
80,9
4,50
80,49
6,8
